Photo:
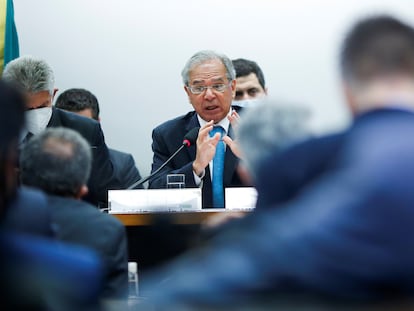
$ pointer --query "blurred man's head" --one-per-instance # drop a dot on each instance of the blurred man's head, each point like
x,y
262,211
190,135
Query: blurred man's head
x,y
58,161
11,123
35,78
209,81
377,63
79,101
268,127
250,80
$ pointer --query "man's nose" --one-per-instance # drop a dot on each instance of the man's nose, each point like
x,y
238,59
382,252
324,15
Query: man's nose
x,y
246,96
209,94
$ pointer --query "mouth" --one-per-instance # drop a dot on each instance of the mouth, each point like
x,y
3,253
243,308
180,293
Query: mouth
x,y
212,107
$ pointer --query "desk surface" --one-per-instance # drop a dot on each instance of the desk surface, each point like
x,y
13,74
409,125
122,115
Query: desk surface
x,y
179,218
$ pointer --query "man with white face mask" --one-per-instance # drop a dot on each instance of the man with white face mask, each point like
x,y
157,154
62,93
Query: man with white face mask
x,y
37,119
36,79
250,83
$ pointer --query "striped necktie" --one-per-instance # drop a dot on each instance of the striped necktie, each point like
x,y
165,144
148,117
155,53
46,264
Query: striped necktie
x,y
218,169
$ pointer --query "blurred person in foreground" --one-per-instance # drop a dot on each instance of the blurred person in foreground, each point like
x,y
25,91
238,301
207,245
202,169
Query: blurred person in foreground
x,y
209,81
250,82
84,103
270,126
35,78
346,234
58,161
36,273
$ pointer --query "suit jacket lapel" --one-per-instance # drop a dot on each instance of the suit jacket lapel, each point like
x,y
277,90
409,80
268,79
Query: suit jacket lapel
x,y
54,119
230,162
192,123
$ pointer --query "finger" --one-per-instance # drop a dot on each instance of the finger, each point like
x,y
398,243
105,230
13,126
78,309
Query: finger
x,y
234,118
233,146
215,139
235,114
209,124
205,129
227,140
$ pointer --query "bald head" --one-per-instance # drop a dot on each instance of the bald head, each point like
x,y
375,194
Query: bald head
x,y
57,161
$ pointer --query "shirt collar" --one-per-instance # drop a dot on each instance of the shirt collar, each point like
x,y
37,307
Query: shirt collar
x,y
224,123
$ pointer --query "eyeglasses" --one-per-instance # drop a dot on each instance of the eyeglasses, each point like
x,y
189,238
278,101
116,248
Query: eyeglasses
x,y
198,89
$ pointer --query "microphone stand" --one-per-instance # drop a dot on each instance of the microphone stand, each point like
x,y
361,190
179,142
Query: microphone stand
x,y
144,179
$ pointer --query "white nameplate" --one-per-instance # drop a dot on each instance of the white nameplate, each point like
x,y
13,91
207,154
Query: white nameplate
x,y
154,200
243,198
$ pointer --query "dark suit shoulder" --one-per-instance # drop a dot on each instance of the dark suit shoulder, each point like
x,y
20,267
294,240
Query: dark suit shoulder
x,y
120,155
27,194
180,121
169,135
125,168
68,210
85,126
81,223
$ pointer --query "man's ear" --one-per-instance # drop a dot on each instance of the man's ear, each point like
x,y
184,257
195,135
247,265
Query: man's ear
x,y
233,88
83,190
350,98
187,90
55,90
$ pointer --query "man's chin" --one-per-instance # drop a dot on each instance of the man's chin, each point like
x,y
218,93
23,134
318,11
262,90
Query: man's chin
x,y
216,116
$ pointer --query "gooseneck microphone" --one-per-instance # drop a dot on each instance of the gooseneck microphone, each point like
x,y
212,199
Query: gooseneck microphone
x,y
188,140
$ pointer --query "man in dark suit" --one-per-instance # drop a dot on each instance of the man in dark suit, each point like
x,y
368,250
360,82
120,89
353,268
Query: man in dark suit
x,y
36,79
344,231
209,81
83,102
58,161
36,273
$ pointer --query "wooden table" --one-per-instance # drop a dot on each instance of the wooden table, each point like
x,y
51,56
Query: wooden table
x,y
179,218
151,248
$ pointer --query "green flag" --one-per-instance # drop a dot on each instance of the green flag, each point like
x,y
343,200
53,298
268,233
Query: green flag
x,y
9,42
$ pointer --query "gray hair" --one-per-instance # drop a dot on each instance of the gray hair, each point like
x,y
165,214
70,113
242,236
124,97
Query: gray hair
x,y
30,74
268,127
58,161
204,56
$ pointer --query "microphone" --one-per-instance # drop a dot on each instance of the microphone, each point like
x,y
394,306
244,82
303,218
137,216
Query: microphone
x,y
188,140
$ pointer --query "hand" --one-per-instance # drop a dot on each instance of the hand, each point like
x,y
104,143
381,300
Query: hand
x,y
234,119
234,146
206,148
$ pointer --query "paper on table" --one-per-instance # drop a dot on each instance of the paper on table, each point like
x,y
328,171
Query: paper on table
x,y
241,198
154,200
